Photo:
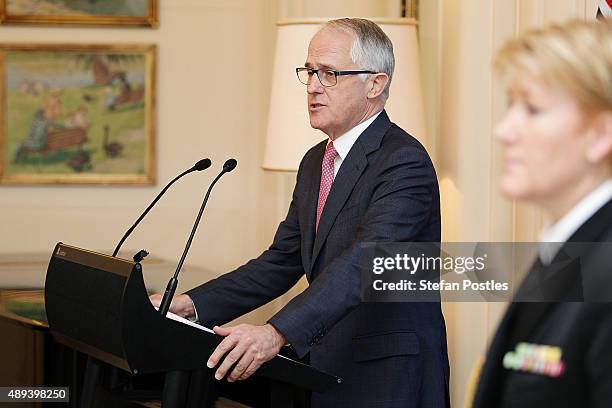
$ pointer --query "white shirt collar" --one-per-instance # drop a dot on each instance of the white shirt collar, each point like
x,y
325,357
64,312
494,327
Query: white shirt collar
x,y
344,142
555,235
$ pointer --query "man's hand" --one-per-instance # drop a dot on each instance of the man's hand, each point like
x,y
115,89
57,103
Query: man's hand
x,y
248,347
181,304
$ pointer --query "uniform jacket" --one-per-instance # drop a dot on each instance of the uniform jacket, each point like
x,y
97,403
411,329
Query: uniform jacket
x,y
571,332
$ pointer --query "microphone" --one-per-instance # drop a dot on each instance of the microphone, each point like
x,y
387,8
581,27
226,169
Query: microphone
x,y
228,166
199,166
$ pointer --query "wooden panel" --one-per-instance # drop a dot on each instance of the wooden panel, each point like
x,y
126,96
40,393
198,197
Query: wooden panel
x,y
21,351
501,209
430,40
590,9
336,8
530,14
557,11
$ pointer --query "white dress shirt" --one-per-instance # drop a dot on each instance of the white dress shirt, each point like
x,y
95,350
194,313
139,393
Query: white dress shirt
x,y
343,143
554,236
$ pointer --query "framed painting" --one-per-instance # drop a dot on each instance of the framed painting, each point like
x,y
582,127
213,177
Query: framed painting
x,y
80,12
77,114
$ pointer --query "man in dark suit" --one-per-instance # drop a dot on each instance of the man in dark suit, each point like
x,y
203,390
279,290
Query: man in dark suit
x,y
370,182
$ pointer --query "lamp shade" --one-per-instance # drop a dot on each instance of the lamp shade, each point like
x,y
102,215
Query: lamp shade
x,y
289,134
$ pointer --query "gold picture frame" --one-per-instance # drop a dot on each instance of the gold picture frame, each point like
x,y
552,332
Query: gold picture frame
x,y
77,113
79,12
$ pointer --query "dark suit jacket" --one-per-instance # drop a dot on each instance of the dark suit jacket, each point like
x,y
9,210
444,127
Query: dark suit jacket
x,y
388,354
582,330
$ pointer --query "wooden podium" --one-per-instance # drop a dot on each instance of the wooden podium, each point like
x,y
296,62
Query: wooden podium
x,y
98,305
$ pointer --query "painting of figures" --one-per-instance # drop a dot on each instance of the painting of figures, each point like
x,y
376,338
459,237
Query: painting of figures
x,y
89,12
77,114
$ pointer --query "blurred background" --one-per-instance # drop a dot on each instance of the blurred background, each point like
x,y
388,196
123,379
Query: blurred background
x,y
214,80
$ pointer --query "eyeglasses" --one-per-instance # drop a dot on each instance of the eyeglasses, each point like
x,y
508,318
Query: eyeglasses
x,y
327,77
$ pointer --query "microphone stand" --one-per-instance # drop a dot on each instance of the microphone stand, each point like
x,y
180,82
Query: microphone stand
x,y
173,282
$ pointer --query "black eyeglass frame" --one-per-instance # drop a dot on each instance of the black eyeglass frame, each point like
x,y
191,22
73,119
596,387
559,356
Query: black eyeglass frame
x,y
336,74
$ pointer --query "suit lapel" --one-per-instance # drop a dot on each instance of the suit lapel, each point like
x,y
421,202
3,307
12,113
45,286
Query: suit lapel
x,y
491,374
532,312
314,175
352,167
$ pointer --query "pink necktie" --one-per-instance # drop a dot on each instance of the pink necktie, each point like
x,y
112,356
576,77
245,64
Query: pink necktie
x,y
327,178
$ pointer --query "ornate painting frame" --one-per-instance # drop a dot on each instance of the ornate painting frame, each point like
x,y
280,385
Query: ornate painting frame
x,y
77,113
80,19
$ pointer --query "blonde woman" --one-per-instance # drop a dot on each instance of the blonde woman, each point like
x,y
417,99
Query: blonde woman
x,y
557,138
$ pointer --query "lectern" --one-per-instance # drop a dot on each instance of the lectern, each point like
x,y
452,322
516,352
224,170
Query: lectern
x,y
98,305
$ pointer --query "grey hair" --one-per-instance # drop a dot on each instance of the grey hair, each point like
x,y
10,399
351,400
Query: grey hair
x,y
372,49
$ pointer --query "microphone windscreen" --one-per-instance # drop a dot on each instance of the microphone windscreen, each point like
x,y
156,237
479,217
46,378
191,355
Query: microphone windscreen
x,y
230,165
202,165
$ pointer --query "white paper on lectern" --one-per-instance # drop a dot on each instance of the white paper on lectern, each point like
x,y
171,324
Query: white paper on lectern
x,y
180,319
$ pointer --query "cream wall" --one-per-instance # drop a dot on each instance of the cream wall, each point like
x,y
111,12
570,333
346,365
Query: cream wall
x,y
202,116
212,88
